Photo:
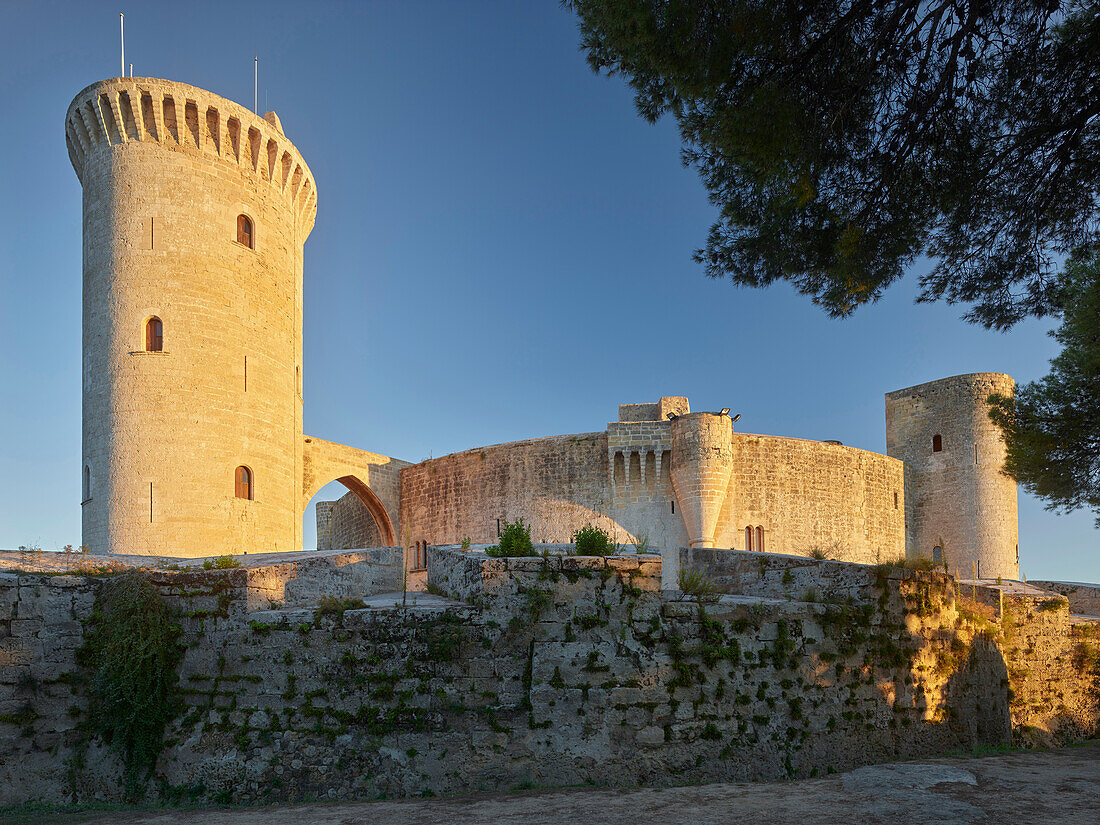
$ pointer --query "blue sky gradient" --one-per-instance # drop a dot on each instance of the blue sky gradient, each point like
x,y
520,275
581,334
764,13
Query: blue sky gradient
x,y
502,250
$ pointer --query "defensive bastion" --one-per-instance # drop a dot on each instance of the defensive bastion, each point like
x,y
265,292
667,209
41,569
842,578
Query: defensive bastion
x,y
544,670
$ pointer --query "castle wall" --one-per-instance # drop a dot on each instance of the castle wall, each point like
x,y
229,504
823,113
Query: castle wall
x,y
1083,598
352,524
166,168
812,494
806,494
557,485
567,671
961,500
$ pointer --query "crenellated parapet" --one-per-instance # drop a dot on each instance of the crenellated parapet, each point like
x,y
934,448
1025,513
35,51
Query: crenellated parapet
x,y
184,118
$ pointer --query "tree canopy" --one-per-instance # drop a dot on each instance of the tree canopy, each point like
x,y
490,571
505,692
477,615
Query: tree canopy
x,y
1052,426
842,141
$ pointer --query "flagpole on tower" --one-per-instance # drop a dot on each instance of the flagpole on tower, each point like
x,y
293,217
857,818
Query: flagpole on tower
x,y
256,84
122,40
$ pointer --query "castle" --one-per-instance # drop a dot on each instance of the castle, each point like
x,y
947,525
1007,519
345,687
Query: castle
x,y
195,213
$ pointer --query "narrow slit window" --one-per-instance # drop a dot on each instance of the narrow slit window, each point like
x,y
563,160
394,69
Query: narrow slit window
x,y
937,443
245,235
154,335
895,501
748,538
244,483
87,486
759,539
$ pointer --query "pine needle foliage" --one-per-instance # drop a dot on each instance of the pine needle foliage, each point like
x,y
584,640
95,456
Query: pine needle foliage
x,y
1052,426
132,651
843,142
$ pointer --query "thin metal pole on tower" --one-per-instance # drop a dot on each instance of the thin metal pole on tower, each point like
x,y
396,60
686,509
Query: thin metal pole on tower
x,y
122,40
256,85
131,70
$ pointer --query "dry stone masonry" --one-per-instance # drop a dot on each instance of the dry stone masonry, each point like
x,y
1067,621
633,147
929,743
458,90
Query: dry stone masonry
x,y
545,670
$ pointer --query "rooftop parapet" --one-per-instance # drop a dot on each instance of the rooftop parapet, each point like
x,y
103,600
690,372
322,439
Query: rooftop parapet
x,y
184,118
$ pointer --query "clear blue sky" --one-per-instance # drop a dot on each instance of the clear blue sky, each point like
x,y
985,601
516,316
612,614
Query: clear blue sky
x,y
502,249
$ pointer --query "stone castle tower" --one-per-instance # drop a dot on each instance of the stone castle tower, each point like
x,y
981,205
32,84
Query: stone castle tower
x,y
959,505
195,212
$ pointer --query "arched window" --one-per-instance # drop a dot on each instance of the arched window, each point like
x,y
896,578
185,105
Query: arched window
x,y
154,335
937,555
760,538
244,231
937,443
748,538
244,482
87,485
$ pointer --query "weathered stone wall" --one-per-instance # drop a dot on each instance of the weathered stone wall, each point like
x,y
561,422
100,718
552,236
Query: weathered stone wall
x,y
351,524
166,168
805,494
1053,660
960,498
324,524
557,485
564,670
1083,598
809,494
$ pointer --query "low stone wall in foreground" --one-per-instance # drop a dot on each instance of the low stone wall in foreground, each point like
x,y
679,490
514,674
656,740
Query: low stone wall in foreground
x,y
549,671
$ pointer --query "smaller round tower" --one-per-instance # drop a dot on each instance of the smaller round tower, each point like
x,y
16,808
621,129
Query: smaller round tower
x,y
960,506
702,462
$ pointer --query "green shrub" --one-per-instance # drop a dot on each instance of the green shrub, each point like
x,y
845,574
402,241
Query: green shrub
x,y
515,540
132,651
697,584
593,541
220,563
333,606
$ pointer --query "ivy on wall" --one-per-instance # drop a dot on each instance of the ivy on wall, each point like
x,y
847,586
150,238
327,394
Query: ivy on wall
x,y
131,654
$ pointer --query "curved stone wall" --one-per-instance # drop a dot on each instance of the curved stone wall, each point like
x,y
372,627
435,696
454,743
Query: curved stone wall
x,y
808,494
804,494
166,168
556,485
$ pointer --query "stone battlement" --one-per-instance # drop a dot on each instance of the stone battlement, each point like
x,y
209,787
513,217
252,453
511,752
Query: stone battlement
x,y
183,118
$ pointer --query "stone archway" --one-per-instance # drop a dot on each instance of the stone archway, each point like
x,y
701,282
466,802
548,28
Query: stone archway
x,y
374,506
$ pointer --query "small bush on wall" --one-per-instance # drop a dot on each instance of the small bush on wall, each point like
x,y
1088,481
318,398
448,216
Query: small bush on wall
x,y
593,541
515,540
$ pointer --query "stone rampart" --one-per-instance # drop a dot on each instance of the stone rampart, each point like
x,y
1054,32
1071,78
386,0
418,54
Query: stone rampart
x,y
778,576
801,494
561,671
557,485
1083,598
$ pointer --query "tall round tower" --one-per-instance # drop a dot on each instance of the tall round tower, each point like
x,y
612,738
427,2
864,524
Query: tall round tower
x,y
195,212
960,507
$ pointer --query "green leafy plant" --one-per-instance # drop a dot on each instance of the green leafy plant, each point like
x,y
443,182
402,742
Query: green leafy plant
x,y
466,543
698,585
220,563
132,651
333,606
515,540
591,540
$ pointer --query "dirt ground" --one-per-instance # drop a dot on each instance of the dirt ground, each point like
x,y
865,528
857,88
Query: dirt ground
x,y
1020,787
